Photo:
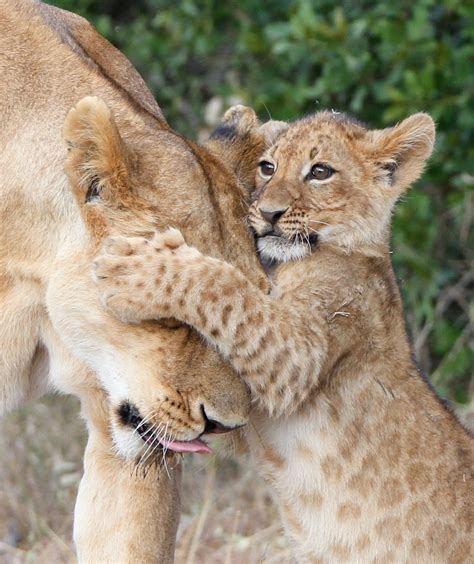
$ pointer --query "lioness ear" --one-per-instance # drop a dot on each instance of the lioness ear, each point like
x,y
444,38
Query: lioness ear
x,y
402,151
96,163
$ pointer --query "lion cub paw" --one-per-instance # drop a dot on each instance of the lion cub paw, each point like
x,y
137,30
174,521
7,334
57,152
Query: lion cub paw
x,y
131,271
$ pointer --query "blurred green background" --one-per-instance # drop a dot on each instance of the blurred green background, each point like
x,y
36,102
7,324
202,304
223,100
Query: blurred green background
x,y
380,61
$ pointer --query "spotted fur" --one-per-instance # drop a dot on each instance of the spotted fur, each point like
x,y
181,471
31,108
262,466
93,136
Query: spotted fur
x,y
365,462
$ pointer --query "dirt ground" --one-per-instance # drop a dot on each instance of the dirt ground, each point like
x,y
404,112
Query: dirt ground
x,y
227,514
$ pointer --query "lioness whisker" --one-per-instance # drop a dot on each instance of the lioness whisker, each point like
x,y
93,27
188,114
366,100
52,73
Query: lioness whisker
x,y
314,230
151,446
144,421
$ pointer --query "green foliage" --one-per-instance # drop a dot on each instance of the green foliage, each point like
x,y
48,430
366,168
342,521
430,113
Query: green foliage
x,y
380,61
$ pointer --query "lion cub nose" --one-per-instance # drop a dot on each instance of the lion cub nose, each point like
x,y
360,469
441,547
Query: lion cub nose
x,y
272,215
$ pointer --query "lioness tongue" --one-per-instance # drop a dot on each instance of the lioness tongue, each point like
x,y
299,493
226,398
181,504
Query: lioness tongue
x,y
188,446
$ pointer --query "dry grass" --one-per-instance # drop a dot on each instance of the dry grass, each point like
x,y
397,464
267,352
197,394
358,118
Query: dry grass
x,y
227,515
40,468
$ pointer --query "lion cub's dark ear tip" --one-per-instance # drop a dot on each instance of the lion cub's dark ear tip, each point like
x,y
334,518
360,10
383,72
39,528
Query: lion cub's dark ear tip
x,y
224,131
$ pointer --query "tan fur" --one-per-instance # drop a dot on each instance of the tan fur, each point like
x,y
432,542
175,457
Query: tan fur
x,y
54,333
364,461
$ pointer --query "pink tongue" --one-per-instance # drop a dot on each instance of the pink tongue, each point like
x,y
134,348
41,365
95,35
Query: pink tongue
x,y
187,446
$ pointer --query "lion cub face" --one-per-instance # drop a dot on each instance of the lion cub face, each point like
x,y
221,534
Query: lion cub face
x,y
328,179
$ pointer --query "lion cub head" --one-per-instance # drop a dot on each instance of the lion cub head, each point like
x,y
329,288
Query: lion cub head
x,y
327,179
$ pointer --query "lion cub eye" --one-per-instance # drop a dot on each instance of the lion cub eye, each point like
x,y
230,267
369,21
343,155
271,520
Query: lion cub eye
x,y
320,171
266,168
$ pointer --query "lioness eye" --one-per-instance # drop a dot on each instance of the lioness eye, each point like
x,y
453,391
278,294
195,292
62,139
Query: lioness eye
x,y
266,168
320,171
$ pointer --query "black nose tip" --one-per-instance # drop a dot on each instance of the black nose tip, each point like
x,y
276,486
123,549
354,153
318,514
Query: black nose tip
x,y
272,215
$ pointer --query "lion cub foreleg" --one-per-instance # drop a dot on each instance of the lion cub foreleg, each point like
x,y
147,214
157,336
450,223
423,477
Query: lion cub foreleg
x,y
267,341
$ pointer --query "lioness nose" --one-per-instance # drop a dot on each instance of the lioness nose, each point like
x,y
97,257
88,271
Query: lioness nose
x,y
272,215
216,427
213,426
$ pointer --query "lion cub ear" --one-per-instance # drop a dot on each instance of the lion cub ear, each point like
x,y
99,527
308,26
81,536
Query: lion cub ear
x,y
240,139
237,143
402,151
96,164
272,129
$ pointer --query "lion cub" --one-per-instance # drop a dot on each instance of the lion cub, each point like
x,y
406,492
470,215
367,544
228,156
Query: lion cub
x,y
365,462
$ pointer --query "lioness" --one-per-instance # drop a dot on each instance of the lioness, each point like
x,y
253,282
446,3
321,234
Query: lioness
x,y
126,172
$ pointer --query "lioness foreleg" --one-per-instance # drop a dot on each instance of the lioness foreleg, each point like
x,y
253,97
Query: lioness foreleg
x,y
122,515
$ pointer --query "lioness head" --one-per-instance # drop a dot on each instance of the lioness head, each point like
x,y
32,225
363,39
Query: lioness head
x,y
165,386
328,179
